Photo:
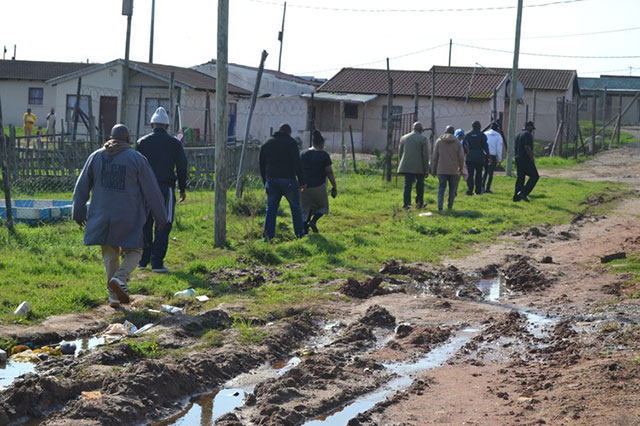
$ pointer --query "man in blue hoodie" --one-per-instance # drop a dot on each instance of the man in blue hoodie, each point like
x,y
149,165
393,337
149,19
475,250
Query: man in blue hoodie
x,y
168,161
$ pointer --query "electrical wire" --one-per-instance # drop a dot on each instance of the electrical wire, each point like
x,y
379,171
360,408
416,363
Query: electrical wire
x,y
461,9
549,54
558,35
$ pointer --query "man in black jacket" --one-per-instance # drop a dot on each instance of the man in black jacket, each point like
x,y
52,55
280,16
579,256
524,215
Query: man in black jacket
x,y
279,167
167,159
478,150
525,163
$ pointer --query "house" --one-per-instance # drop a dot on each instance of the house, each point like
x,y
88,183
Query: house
x,y
610,93
149,87
22,86
462,95
272,83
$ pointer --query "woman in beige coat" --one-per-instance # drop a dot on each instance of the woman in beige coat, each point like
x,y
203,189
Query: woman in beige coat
x,y
447,164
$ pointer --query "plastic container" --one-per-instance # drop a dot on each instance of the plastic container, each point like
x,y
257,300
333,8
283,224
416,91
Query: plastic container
x,y
68,348
3,356
171,309
185,293
23,309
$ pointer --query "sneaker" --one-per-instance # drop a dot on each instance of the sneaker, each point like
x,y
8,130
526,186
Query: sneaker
x,y
516,197
113,299
524,198
313,227
488,191
469,193
142,267
120,289
160,270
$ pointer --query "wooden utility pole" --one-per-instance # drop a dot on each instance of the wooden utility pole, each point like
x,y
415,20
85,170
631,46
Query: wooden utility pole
x,y
127,9
254,96
343,146
281,35
387,160
172,82
153,15
220,219
433,108
139,113
514,93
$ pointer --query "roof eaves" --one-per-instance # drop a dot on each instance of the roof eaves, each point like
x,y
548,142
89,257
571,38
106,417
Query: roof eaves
x,y
82,72
143,70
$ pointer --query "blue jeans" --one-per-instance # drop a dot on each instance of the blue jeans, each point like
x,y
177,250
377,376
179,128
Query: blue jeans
x,y
156,244
276,188
442,185
409,178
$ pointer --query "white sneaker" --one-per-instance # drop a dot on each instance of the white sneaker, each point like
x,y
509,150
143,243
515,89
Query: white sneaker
x,y
162,270
120,289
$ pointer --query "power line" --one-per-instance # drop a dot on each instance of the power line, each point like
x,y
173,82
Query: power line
x,y
559,35
549,54
461,9
378,61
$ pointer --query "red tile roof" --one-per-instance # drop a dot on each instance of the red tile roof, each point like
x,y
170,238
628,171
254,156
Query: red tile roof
x,y
451,82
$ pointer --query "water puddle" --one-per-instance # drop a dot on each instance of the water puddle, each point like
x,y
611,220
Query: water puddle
x,y
538,323
491,288
12,370
207,408
405,372
87,344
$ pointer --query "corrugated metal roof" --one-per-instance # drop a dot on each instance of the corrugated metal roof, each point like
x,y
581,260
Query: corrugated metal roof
x,y
341,97
451,82
188,76
37,70
278,74
611,82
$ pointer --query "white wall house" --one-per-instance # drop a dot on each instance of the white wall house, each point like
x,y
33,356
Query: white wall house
x,y
149,87
23,85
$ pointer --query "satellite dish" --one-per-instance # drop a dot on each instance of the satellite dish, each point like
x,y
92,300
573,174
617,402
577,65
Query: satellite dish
x,y
519,90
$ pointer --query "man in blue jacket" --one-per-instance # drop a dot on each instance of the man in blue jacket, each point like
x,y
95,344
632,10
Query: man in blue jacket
x,y
123,190
168,161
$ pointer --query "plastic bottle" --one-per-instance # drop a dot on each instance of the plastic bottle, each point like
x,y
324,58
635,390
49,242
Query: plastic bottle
x,y
185,293
171,309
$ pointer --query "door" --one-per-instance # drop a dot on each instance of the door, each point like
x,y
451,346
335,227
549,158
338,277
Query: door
x,y
108,113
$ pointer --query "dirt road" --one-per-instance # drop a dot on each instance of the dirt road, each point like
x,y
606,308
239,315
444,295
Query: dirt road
x,y
533,329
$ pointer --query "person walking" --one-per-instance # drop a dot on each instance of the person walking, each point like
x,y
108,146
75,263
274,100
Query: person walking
x,y
168,161
413,153
459,134
525,163
51,124
316,167
447,164
281,172
123,188
494,142
476,156
29,120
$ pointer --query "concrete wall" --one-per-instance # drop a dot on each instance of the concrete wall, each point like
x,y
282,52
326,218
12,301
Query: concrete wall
x,y
14,95
270,84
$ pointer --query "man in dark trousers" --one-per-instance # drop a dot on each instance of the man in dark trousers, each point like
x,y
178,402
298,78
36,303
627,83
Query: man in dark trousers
x,y
279,167
166,157
478,150
525,163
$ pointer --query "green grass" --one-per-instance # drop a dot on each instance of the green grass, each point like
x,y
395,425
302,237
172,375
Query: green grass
x,y
630,267
148,349
50,268
249,333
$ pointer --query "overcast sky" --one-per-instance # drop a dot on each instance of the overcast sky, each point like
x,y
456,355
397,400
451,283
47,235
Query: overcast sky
x,y
323,36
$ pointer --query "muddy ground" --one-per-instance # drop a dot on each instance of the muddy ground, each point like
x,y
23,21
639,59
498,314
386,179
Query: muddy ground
x,y
547,338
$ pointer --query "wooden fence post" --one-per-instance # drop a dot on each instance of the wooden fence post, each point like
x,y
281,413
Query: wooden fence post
x,y
220,207
5,175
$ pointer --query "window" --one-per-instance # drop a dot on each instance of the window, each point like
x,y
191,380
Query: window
x,y
350,110
36,95
395,113
150,106
71,103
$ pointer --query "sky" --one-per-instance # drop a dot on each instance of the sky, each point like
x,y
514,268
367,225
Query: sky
x,y
321,37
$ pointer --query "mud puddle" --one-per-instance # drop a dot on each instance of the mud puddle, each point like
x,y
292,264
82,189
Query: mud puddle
x,y
492,288
207,408
11,370
405,376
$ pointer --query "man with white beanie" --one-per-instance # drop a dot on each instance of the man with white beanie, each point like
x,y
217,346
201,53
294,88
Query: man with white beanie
x,y
168,161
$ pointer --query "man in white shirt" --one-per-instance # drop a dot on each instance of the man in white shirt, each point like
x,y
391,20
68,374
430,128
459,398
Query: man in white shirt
x,y
494,140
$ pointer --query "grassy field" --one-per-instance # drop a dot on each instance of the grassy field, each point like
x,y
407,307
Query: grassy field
x,y
49,267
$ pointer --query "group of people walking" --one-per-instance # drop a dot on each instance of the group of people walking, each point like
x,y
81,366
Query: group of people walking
x,y
131,190
474,156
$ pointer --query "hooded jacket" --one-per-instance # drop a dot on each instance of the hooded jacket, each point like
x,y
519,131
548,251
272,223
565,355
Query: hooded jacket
x,y
448,156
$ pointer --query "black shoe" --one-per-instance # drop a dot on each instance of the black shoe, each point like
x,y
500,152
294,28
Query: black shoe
x,y
469,193
313,227
516,198
488,191
406,207
524,198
